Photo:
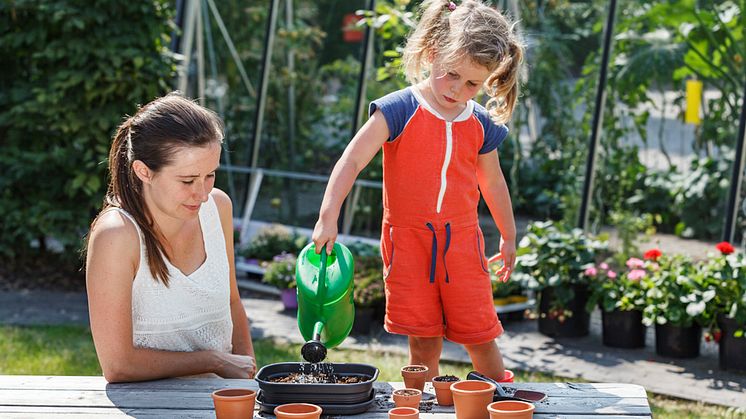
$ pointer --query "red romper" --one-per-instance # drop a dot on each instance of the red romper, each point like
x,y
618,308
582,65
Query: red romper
x,y
435,270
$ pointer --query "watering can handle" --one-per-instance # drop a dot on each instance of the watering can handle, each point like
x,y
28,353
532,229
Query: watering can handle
x,y
321,290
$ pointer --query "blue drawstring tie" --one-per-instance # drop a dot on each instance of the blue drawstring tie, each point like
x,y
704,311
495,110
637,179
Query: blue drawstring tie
x,y
434,252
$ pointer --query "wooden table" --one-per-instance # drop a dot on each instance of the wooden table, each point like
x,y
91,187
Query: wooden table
x,y
56,396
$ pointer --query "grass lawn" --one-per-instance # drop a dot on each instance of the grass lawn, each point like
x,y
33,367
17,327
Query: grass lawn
x,y
68,350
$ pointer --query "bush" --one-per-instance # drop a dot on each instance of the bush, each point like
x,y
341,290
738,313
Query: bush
x,y
71,70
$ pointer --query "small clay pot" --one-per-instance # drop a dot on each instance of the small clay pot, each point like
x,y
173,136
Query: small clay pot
x,y
407,397
442,385
234,403
404,413
471,397
414,376
298,411
508,377
511,409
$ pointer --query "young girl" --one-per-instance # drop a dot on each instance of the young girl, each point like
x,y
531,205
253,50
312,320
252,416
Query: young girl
x,y
160,275
439,152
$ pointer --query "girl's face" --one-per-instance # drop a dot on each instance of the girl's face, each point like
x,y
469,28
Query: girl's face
x,y
453,87
179,189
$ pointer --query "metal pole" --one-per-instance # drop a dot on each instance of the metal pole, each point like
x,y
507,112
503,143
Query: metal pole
x,y
598,114
362,81
737,175
269,39
179,23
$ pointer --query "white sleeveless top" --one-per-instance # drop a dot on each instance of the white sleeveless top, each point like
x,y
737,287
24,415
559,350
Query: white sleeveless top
x,y
193,313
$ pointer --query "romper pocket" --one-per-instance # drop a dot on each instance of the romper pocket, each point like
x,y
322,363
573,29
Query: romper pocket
x,y
387,250
480,250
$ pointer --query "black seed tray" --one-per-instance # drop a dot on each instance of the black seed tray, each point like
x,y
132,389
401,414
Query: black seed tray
x,y
326,408
325,393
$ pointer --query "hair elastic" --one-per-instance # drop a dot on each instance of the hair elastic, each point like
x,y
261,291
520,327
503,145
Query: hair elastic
x,y
451,6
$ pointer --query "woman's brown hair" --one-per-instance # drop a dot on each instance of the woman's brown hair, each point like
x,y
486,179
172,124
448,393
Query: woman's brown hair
x,y
153,135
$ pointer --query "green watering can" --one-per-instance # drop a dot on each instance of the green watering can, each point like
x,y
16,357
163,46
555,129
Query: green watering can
x,y
325,307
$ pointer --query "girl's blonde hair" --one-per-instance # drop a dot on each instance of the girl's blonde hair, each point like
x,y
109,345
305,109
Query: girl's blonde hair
x,y
471,31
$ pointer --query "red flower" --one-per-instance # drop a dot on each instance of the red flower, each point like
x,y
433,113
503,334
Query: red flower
x,y
717,335
725,248
652,254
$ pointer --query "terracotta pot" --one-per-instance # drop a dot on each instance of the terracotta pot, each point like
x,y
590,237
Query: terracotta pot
x,y
407,397
414,376
510,409
234,403
508,377
443,390
471,397
404,413
298,411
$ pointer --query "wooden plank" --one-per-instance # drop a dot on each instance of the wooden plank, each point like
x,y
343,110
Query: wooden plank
x,y
200,384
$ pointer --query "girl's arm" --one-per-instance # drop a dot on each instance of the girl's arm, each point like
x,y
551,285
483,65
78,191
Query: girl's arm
x,y
356,156
112,261
242,344
495,192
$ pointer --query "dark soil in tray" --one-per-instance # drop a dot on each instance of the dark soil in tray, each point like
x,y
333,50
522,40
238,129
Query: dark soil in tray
x,y
298,378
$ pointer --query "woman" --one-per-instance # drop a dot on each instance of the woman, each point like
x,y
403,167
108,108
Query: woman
x,y
160,272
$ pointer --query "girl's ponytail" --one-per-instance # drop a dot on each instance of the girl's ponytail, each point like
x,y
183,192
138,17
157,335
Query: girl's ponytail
x,y
425,40
502,85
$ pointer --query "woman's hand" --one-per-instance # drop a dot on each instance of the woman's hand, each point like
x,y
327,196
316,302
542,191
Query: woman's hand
x,y
325,233
507,255
235,366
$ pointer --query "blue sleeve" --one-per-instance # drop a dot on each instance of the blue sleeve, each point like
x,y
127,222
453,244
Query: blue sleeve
x,y
494,134
397,108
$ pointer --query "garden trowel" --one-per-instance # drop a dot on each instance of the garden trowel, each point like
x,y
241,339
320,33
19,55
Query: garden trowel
x,y
500,393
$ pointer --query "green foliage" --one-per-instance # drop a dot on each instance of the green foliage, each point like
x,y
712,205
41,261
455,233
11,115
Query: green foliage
x,y
678,293
700,198
70,72
727,274
280,272
629,228
273,240
553,255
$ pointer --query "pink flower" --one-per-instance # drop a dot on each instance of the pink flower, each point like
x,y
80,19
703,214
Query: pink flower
x,y
634,263
636,274
611,274
590,271
604,266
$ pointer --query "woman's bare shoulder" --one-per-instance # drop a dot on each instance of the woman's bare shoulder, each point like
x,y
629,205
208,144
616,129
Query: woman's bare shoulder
x,y
113,233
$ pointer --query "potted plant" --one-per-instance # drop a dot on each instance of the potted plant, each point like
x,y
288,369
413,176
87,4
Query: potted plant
x,y
677,299
281,273
620,294
551,260
726,271
368,295
270,241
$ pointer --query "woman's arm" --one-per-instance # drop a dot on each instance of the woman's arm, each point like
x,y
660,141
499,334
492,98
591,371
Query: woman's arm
x,y
242,344
112,261
356,156
495,192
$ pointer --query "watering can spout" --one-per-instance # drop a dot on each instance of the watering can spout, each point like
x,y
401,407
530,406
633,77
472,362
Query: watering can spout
x,y
314,351
325,307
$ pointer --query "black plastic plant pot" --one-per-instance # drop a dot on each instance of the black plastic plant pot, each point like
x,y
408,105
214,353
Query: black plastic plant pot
x,y
623,329
677,341
732,349
333,398
574,326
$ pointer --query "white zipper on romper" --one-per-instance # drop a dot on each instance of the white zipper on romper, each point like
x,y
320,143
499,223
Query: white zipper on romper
x,y
446,162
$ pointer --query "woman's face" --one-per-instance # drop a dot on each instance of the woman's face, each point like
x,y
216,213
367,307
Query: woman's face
x,y
179,189
453,87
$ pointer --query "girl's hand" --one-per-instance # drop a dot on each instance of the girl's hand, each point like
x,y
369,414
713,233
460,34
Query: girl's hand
x,y
325,233
507,255
235,366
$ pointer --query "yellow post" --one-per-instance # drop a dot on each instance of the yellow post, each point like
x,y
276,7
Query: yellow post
x,y
693,101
